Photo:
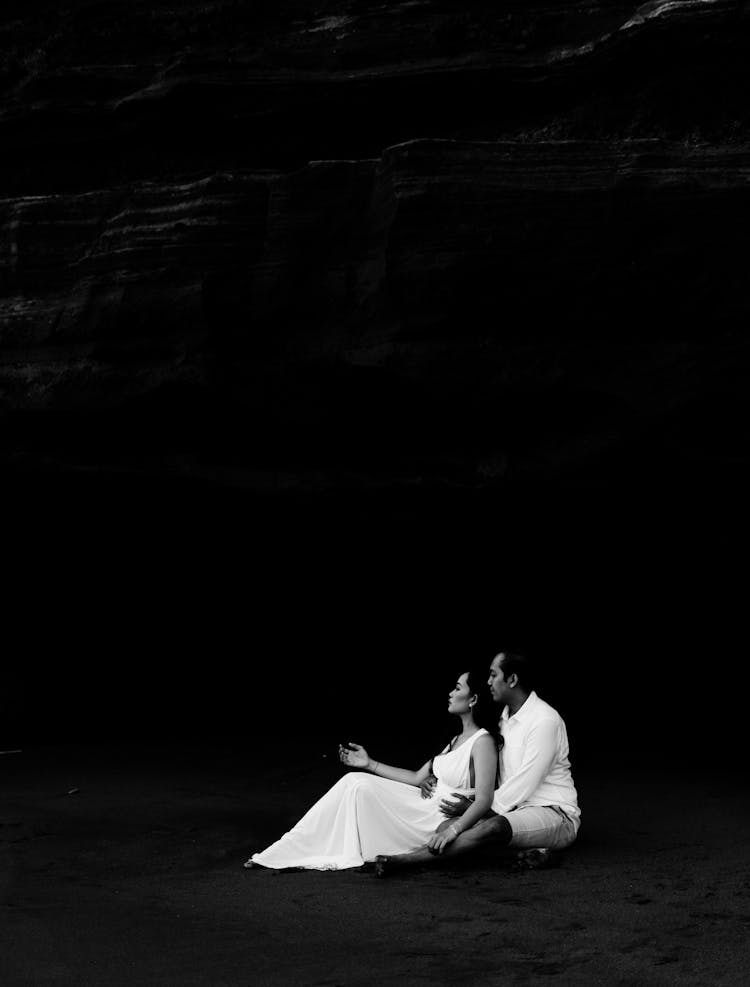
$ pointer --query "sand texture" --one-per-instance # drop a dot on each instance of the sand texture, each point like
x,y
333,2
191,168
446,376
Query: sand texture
x,y
136,878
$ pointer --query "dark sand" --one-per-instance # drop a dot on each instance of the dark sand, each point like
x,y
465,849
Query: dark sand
x,y
137,879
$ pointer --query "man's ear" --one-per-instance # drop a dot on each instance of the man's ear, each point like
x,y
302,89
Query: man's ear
x,y
512,680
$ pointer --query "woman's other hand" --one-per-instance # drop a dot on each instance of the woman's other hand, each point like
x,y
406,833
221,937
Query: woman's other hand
x,y
456,808
354,756
440,840
427,787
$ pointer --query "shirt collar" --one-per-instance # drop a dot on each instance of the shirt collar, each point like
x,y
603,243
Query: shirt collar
x,y
528,707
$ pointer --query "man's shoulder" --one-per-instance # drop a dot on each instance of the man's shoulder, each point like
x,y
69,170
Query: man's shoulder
x,y
543,711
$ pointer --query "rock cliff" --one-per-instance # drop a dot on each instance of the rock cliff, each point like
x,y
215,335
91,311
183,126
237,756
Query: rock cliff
x,y
373,243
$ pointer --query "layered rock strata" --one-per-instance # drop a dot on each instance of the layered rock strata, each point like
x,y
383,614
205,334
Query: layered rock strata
x,y
417,239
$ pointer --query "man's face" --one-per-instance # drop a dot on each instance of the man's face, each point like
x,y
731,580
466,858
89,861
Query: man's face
x,y
499,688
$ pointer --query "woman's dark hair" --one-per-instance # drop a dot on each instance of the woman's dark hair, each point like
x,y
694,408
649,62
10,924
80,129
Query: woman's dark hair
x,y
485,711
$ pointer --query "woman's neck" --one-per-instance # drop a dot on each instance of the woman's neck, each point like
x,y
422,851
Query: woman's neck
x,y
468,724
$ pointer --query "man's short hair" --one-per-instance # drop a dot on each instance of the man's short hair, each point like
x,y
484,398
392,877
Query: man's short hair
x,y
513,662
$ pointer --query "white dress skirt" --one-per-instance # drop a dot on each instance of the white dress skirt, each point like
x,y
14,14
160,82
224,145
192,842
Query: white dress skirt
x,y
364,815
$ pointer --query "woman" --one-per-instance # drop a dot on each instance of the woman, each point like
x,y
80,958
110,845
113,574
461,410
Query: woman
x,y
381,810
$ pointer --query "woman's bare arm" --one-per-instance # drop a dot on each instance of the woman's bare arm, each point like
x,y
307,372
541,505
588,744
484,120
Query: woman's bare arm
x,y
484,760
355,756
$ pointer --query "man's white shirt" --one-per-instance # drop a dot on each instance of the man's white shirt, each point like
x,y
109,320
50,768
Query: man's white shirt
x,y
534,765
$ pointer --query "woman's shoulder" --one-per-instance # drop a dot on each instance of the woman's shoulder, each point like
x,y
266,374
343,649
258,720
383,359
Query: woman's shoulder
x,y
484,741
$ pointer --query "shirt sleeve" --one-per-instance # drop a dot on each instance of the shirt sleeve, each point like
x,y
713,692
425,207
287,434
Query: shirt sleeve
x,y
538,757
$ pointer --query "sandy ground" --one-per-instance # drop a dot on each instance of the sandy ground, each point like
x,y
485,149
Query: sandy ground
x,y
136,879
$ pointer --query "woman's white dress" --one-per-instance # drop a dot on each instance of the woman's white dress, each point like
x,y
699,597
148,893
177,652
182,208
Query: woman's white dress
x,y
364,815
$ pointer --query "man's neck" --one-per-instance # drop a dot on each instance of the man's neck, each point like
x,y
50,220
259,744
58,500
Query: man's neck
x,y
516,702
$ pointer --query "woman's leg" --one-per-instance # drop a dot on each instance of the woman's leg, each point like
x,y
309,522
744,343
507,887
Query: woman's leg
x,y
494,829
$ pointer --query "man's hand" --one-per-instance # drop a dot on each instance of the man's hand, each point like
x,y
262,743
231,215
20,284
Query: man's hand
x,y
456,808
427,787
440,840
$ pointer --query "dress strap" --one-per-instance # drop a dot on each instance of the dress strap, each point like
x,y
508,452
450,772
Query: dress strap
x,y
467,743
473,739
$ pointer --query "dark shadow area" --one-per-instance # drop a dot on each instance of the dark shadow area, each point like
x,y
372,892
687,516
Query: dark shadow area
x,y
146,610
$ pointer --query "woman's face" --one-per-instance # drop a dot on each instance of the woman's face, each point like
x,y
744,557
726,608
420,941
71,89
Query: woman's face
x,y
460,696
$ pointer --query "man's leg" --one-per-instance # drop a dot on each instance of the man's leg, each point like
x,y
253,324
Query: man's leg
x,y
493,829
541,827
540,833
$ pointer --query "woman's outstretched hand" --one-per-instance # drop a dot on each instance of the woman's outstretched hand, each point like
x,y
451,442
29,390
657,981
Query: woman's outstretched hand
x,y
354,756
456,808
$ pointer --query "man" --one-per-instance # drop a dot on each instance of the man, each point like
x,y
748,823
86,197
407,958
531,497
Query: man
x,y
536,805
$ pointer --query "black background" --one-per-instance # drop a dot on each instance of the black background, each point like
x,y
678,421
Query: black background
x,y
147,604
195,615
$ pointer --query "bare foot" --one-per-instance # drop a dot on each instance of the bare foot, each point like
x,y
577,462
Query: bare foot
x,y
384,866
537,858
